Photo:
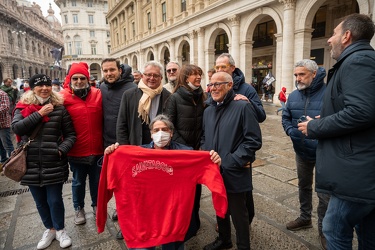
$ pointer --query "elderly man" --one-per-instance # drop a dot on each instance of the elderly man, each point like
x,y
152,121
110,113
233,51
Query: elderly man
x,y
346,132
306,100
231,128
137,76
173,69
11,91
6,145
140,105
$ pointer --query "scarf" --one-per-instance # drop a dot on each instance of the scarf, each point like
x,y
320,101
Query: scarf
x,y
28,109
145,101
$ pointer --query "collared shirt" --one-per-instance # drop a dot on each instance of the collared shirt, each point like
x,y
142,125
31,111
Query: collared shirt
x,y
5,118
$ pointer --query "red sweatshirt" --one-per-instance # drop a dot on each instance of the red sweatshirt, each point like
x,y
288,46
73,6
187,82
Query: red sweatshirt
x,y
154,191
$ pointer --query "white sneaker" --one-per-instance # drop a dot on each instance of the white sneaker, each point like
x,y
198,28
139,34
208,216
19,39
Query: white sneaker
x,y
64,239
48,237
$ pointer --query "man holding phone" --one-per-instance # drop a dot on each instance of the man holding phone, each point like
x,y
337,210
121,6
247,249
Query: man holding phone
x,y
305,101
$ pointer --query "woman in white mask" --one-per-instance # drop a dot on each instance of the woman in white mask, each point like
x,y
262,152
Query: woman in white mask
x,y
161,129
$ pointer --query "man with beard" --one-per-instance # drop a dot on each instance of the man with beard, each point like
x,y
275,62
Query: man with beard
x,y
345,154
173,69
117,79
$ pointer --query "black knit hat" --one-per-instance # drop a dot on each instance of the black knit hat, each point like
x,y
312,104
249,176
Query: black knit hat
x,y
39,80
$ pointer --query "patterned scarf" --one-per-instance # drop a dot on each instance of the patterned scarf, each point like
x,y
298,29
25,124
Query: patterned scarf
x,y
145,101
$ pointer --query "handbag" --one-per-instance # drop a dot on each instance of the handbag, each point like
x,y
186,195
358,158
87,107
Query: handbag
x,y
15,166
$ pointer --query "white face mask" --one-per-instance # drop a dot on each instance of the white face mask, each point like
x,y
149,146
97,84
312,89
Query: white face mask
x,y
161,138
41,99
193,87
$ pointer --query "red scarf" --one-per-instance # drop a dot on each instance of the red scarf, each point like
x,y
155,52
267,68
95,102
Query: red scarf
x,y
28,109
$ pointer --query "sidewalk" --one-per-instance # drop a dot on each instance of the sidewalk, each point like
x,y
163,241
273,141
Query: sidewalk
x,y
275,198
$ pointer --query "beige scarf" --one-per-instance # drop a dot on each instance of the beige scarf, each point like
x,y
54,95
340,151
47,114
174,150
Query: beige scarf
x,y
145,101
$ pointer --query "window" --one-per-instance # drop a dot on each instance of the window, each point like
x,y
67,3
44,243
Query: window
x,y
93,49
319,23
117,38
78,45
75,18
70,48
66,19
91,19
109,49
183,5
263,34
125,35
133,27
92,33
163,12
149,20
74,3
108,34
89,3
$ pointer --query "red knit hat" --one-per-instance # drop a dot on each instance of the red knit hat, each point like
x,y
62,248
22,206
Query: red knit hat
x,y
77,68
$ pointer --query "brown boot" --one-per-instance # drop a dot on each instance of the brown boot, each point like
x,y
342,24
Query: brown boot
x,y
298,224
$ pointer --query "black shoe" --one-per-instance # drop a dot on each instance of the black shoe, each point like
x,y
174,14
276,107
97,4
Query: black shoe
x,y
119,235
114,216
218,244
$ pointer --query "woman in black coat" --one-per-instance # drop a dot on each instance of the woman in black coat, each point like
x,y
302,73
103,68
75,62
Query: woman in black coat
x,y
185,110
47,164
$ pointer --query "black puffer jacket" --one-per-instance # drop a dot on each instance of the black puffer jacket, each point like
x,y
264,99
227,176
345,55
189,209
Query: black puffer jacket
x,y
44,165
185,110
112,94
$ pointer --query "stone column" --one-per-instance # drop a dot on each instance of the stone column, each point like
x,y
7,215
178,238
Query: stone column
x,y
246,62
278,65
153,15
172,49
192,36
201,50
235,52
288,44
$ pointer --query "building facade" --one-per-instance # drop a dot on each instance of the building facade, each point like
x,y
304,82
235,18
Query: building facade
x,y
261,35
85,32
26,39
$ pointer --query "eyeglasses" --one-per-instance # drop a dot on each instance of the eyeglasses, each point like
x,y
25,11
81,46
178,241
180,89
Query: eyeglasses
x,y
225,66
171,71
82,78
216,84
152,75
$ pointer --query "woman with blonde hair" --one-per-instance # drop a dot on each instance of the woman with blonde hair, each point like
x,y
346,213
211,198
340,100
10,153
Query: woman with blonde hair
x,y
42,109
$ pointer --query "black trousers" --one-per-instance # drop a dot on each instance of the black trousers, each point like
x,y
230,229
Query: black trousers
x,y
238,210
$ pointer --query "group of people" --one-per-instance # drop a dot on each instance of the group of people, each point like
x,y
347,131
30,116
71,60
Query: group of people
x,y
81,123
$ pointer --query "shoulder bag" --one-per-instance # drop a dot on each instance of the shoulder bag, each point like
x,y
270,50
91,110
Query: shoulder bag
x,y
15,166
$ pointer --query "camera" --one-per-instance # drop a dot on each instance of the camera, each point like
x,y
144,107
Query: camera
x,y
302,119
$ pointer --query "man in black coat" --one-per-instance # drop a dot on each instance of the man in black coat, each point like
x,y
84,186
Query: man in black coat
x,y
345,156
117,79
231,128
140,105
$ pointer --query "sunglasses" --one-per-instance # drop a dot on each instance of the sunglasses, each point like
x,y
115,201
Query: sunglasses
x,y
171,71
82,78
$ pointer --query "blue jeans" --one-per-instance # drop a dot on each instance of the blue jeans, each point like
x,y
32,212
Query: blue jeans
x,y
179,245
7,145
305,173
50,205
341,217
282,107
80,173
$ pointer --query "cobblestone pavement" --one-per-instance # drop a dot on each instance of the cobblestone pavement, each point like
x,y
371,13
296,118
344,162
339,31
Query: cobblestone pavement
x,y
275,197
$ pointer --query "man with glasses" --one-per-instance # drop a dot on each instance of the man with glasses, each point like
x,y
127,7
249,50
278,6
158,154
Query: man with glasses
x,y
225,63
231,128
173,69
140,105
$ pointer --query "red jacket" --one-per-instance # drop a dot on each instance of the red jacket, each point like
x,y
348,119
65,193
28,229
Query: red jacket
x,y
154,191
87,117
282,96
